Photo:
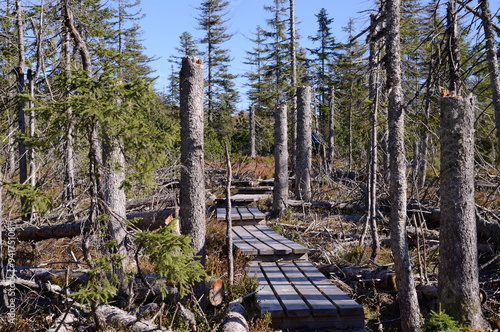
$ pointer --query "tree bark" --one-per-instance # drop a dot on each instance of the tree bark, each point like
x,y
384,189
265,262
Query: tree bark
x,y
192,188
229,222
331,129
303,160
121,318
453,48
458,266
407,296
251,115
20,84
280,191
491,54
293,56
235,320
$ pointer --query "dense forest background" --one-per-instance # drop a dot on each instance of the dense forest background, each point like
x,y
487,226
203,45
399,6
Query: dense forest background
x,y
84,130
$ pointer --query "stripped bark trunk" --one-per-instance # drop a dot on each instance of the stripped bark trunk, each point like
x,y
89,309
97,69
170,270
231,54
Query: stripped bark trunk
x,y
453,48
192,189
123,319
303,160
491,54
235,320
407,296
293,54
229,229
251,114
458,266
20,85
280,191
331,129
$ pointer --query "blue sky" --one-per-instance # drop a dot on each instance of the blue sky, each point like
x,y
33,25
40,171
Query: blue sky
x,y
166,20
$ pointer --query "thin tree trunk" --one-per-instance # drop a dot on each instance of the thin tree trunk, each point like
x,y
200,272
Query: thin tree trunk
x,y
20,71
458,288
331,129
491,54
280,191
69,175
229,221
251,114
453,48
372,155
303,161
407,296
293,110
192,186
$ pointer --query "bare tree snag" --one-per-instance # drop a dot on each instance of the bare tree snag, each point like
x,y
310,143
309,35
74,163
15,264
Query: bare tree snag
x,y
491,54
293,56
251,115
229,221
458,266
453,48
280,190
192,188
407,296
331,129
303,159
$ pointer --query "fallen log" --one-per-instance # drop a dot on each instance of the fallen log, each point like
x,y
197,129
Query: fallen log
x,y
140,202
63,323
121,318
235,320
148,220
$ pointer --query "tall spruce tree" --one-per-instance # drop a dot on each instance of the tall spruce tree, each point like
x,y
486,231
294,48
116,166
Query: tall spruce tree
x,y
221,96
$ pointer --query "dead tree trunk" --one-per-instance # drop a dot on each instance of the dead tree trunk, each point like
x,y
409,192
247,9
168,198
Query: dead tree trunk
x,y
458,265
303,159
491,54
229,221
293,56
453,48
372,155
69,175
251,115
407,296
192,184
331,129
280,191
20,84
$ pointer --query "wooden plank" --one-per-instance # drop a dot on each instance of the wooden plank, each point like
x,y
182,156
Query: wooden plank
x,y
243,246
319,304
346,305
265,295
245,214
257,214
221,214
296,248
279,249
263,248
291,301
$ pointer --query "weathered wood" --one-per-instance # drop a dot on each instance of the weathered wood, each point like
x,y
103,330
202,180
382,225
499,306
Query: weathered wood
x,y
235,320
458,273
280,190
114,315
147,220
303,158
192,189
298,296
63,323
215,292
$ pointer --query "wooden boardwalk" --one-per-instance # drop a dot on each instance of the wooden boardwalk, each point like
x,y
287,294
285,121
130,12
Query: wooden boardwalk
x,y
298,296
265,244
242,215
291,289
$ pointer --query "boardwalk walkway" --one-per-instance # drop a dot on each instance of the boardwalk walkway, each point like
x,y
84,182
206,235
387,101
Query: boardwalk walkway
x,y
291,289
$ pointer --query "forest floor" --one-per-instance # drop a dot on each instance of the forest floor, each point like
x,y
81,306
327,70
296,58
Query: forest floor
x,y
334,234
